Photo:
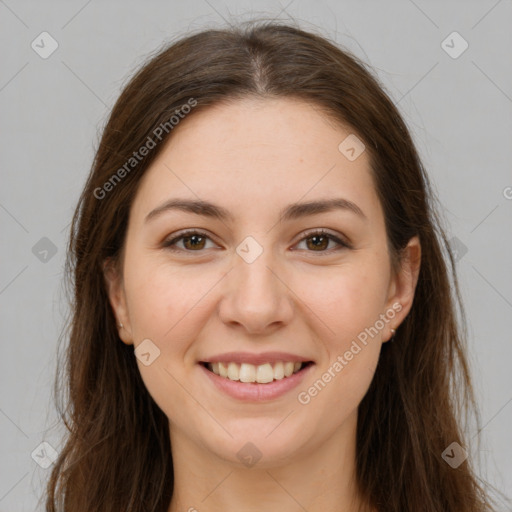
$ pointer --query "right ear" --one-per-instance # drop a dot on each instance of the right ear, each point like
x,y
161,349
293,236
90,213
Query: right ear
x,y
117,299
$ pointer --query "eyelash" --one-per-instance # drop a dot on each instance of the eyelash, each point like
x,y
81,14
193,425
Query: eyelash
x,y
169,244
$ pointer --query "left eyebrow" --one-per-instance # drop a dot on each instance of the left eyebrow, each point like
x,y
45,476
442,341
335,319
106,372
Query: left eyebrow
x,y
297,210
290,212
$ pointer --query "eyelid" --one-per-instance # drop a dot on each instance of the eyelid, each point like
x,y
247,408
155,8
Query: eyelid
x,y
336,237
339,239
169,241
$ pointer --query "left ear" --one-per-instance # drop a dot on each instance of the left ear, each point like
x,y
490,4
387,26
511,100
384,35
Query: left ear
x,y
403,284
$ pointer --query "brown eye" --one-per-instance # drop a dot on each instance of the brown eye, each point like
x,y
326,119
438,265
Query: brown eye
x,y
319,241
193,241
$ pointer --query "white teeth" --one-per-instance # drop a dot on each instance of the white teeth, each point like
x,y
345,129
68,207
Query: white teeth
x,y
223,370
233,371
288,369
262,374
247,372
278,370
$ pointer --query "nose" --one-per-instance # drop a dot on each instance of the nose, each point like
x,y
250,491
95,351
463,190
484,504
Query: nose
x,y
255,296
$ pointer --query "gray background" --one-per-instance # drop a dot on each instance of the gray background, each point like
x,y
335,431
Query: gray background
x,y
458,109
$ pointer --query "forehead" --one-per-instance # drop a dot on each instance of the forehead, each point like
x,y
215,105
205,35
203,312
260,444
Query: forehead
x,y
254,154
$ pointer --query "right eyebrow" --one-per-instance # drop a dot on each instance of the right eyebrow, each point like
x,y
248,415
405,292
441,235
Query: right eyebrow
x,y
197,206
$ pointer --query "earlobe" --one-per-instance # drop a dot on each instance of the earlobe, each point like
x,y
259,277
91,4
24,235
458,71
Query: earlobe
x,y
117,299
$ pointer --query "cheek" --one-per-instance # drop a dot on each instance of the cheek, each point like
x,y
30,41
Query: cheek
x,y
164,306
348,303
162,300
347,299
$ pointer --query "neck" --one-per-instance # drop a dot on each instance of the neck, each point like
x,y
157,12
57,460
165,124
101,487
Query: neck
x,y
314,478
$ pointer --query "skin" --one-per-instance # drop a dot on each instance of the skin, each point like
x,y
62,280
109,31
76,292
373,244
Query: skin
x,y
254,157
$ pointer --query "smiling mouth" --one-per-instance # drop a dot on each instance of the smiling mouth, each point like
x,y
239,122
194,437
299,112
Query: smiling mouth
x,y
259,374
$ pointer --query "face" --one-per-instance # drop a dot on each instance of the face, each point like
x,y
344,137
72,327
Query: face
x,y
256,285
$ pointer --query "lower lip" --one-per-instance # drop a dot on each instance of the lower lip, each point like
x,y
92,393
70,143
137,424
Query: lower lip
x,y
254,392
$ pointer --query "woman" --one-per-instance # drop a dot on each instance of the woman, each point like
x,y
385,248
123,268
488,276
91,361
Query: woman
x,y
262,316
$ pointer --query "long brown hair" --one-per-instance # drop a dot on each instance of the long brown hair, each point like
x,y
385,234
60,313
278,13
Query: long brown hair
x,y
117,455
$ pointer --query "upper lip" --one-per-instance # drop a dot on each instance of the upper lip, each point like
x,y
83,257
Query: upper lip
x,y
255,359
